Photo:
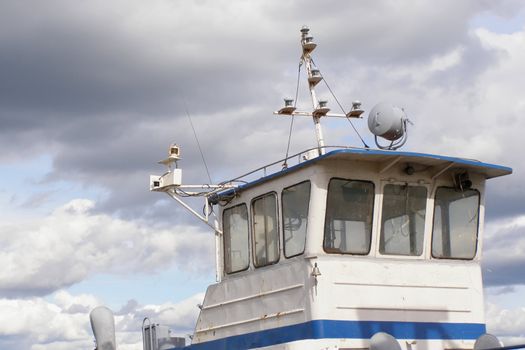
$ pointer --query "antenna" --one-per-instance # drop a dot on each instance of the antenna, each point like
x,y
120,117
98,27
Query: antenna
x,y
197,140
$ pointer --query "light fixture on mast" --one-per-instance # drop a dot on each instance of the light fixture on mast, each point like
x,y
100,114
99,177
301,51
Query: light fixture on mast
x,y
320,108
288,108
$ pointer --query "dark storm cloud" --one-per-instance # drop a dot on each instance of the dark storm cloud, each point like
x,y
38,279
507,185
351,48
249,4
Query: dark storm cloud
x,y
503,256
102,87
511,272
89,58
505,200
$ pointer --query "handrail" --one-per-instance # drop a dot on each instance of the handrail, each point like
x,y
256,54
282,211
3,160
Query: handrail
x,y
285,161
144,334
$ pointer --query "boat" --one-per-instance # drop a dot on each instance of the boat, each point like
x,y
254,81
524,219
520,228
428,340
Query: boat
x,y
337,247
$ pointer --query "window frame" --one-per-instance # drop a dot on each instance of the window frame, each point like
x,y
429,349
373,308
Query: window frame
x,y
477,227
374,193
379,228
277,229
224,240
307,217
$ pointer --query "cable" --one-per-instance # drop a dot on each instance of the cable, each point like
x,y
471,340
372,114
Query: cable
x,y
285,164
340,106
197,139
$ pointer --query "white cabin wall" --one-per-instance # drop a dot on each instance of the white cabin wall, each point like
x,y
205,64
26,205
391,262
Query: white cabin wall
x,y
354,170
320,175
269,297
372,287
316,213
277,185
463,278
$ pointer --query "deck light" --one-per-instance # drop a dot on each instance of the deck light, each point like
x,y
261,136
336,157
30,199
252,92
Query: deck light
x,y
315,77
174,151
462,182
409,170
288,108
356,110
305,30
307,41
316,272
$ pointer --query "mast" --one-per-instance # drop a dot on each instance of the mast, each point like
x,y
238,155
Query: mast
x,y
319,107
308,46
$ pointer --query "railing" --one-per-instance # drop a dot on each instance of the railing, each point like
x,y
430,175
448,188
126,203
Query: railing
x,y
148,338
284,163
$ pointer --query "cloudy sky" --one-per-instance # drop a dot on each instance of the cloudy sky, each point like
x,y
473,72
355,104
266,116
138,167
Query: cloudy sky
x,y
92,93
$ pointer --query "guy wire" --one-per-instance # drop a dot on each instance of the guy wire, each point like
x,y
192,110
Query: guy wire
x,y
197,139
342,109
285,164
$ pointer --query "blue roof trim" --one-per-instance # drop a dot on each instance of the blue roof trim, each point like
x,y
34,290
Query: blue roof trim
x,y
334,329
367,151
423,155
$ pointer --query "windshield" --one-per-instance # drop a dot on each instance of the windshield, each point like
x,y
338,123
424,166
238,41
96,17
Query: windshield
x,y
349,211
403,219
456,217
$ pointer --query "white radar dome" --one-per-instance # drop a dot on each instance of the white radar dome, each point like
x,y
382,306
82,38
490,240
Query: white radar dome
x,y
387,121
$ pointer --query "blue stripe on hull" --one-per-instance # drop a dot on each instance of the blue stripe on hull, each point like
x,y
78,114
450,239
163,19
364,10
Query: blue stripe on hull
x,y
323,329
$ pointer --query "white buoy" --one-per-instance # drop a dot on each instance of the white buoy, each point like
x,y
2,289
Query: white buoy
x,y
103,325
487,341
384,341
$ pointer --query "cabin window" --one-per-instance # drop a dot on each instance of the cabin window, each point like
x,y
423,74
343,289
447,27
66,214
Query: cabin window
x,y
235,233
265,230
349,211
456,217
403,220
295,201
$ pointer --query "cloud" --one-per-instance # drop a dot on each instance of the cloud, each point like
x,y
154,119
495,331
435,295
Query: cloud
x,y
33,321
503,252
102,87
73,243
40,324
508,325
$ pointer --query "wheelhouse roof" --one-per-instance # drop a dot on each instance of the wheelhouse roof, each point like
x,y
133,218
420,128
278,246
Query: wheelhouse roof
x,y
386,158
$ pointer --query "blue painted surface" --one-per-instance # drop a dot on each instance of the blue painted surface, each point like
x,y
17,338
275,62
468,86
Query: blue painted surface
x,y
332,329
374,152
420,155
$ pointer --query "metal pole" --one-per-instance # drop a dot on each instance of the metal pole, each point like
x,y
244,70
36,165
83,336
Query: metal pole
x,y
218,249
173,195
308,64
